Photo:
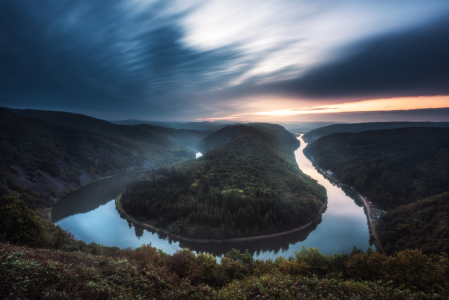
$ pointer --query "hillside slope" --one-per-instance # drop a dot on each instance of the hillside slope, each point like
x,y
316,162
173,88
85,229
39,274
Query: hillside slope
x,y
315,134
396,169
41,159
391,167
248,184
423,225
141,132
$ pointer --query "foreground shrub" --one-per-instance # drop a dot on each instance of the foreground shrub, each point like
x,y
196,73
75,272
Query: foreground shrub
x,y
287,287
44,274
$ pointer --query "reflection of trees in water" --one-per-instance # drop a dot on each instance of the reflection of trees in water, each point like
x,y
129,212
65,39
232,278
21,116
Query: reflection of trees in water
x,y
274,244
91,196
139,231
352,194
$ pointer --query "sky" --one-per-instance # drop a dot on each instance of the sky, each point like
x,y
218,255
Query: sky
x,y
234,60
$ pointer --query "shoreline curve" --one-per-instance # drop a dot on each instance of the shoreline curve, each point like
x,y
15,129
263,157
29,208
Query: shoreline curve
x,y
211,241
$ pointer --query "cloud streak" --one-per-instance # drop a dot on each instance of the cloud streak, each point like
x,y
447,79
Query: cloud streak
x,y
182,60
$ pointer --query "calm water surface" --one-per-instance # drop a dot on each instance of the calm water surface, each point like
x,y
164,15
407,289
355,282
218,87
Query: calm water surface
x,y
91,216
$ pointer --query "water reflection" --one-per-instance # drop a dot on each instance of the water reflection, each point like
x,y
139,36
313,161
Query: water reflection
x,y
90,214
92,196
273,245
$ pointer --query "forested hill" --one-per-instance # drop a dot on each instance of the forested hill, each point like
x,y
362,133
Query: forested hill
x,y
40,159
391,167
421,225
229,133
187,137
204,125
315,134
249,184
396,169
280,133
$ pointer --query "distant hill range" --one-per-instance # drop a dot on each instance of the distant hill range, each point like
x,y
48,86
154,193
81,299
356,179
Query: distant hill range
x,y
315,134
396,169
46,153
205,125
247,183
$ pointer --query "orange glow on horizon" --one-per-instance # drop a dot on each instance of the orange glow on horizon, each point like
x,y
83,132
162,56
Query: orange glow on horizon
x,y
400,103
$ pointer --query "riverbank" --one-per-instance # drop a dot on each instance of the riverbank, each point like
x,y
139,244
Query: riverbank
x,y
370,220
47,212
211,241
364,202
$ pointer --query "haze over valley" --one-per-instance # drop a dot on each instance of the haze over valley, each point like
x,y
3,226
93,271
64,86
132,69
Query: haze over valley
x,y
185,149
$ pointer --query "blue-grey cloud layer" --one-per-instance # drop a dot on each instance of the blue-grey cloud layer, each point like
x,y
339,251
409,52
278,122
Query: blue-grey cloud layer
x,y
410,63
103,58
79,54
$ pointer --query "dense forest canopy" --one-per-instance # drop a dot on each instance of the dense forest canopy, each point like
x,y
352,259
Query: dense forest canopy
x,y
391,167
405,171
249,184
421,225
315,134
48,153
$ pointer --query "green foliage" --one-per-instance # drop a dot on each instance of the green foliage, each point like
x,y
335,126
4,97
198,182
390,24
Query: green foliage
x,y
18,223
391,167
244,258
248,184
394,168
149,273
287,287
318,263
44,154
410,269
423,225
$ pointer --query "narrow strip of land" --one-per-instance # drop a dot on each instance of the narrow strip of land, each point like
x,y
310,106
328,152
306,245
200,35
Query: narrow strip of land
x,y
209,241
367,206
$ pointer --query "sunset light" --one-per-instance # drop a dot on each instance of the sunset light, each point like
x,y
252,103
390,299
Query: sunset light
x,y
379,105
224,149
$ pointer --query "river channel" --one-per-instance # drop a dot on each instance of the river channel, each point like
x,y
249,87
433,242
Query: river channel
x,y
90,214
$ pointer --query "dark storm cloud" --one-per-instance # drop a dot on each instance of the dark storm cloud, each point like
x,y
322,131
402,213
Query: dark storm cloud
x,y
96,53
169,59
407,63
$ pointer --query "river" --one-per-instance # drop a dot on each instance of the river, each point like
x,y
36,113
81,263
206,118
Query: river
x,y
90,215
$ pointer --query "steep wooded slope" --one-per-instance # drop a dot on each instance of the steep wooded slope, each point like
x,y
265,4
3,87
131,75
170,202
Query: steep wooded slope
x,y
423,225
315,134
41,159
391,167
396,169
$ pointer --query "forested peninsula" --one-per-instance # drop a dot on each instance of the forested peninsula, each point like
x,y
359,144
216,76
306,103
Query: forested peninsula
x,y
247,183
404,171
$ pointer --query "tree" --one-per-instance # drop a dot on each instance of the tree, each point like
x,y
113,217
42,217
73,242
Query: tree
x,y
411,269
19,224
319,263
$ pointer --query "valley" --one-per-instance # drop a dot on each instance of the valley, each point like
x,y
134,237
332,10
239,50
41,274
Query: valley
x,y
254,197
